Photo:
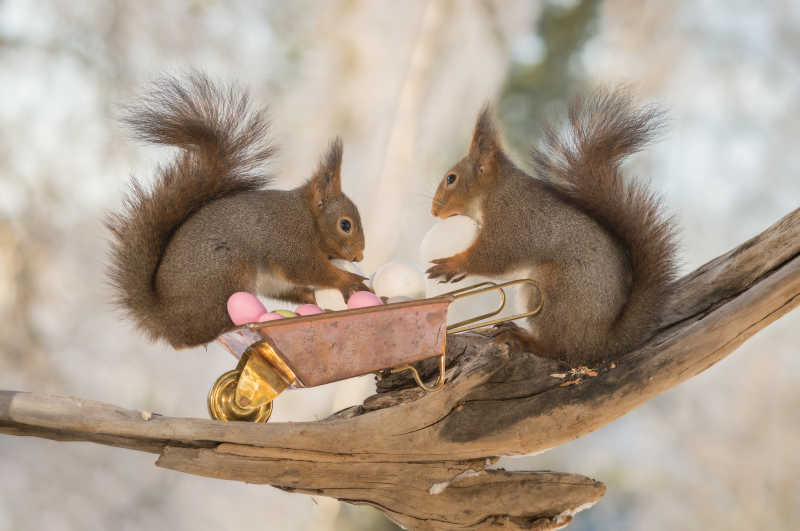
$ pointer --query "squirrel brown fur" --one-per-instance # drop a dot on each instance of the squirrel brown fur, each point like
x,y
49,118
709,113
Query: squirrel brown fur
x,y
597,243
207,228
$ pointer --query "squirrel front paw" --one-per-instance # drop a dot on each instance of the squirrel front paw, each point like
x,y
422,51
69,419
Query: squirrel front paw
x,y
352,284
305,296
451,269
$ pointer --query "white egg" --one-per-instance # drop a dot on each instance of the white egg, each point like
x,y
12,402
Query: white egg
x,y
448,237
348,266
399,279
331,299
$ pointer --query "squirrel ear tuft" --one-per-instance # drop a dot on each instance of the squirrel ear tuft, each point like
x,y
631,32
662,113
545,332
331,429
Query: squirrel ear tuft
x,y
485,139
327,180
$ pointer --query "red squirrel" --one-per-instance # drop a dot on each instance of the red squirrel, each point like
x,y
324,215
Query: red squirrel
x,y
207,228
597,243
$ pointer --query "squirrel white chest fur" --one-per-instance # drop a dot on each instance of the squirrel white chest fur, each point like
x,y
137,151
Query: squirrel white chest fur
x,y
474,211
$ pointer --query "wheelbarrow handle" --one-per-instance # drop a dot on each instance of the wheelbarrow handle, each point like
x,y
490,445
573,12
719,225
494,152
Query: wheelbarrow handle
x,y
483,287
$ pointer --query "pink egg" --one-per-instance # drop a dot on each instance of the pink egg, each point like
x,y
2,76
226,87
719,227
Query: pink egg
x,y
361,299
244,308
308,309
269,316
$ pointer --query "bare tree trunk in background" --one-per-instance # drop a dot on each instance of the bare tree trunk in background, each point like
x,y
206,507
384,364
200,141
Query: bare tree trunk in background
x,y
424,459
394,180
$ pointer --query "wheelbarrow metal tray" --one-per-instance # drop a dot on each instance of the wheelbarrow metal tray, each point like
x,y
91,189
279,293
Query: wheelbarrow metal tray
x,y
332,346
318,349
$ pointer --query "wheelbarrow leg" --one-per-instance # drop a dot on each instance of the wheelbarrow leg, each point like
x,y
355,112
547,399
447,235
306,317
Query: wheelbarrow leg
x,y
439,382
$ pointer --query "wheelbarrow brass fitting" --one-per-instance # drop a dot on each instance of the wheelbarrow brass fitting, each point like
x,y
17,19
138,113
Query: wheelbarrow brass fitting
x,y
247,392
264,376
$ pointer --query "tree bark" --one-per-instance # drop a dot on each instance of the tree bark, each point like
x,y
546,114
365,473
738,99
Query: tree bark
x,y
424,458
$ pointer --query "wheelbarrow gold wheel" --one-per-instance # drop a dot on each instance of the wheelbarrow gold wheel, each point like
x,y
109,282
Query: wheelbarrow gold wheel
x,y
222,401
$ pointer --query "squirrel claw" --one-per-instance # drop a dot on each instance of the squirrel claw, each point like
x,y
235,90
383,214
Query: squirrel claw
x,y
506,324
507,328
517,338
353,284
450,269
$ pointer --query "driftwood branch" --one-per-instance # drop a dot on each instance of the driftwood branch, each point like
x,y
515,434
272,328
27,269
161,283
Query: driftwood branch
x,y
423,459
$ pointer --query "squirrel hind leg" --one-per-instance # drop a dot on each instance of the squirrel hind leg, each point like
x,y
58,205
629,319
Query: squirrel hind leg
x,y
190,323
517,338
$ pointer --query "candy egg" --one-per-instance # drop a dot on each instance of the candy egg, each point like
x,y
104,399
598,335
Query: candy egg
x,y
361,299
332,298
399,298
269,316
399,279
286,313
352,267
244,308
308,309
448,237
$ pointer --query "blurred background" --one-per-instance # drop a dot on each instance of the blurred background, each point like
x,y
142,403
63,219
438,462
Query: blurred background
x,y
401,82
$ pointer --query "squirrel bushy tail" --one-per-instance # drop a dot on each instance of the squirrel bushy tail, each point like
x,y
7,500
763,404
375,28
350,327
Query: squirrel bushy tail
x,y
582,166
224,148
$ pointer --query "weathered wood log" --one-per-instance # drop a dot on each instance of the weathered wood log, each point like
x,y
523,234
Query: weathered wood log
x,y
423,459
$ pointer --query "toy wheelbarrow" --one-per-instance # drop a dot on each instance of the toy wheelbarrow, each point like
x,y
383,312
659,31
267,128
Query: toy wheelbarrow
x,y
323,348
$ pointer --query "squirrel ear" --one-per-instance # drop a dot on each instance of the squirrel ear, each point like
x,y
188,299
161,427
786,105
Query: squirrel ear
x,y
327,180
485,140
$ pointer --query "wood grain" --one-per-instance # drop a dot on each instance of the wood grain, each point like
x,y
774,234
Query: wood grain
x,y
423,459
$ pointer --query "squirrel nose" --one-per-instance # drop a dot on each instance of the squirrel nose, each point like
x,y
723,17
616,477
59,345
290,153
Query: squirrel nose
x,y
358,257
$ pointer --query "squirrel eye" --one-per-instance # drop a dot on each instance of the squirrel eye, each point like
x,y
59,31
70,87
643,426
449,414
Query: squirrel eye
x,y
451,178
345,225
